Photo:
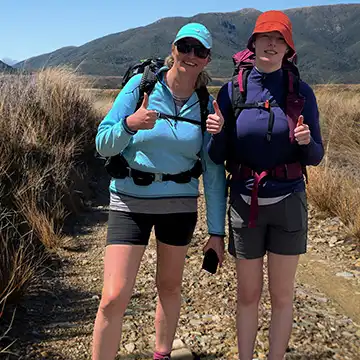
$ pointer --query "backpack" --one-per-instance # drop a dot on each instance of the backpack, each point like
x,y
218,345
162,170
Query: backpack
x,y
149,68
244,61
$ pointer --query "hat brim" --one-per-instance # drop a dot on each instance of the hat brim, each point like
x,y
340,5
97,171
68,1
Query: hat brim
x,y
194,36
274,26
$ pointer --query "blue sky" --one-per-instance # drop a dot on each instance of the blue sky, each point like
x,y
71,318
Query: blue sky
x,y
33,27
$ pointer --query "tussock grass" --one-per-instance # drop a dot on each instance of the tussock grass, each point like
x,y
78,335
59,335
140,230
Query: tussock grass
x,y
47,129
335,184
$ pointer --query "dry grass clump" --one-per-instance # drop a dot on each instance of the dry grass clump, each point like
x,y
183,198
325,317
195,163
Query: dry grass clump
x,y
335,184
47,130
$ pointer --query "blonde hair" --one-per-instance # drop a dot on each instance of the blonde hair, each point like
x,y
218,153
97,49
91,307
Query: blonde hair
x,y
203,78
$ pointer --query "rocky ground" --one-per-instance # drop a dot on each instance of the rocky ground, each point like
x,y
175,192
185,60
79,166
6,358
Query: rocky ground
x,y
56,319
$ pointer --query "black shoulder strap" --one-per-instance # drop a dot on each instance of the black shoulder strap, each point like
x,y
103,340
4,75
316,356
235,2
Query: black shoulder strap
x,y
147,84
238,98
203,95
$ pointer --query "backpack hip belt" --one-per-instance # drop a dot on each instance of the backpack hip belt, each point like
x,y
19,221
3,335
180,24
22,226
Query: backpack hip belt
x,y
143,178
290,171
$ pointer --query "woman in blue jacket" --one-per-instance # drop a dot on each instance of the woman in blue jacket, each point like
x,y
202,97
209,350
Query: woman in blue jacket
x,y
166,150
266,147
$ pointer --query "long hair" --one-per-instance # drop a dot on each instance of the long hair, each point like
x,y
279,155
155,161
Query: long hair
x,y
203,78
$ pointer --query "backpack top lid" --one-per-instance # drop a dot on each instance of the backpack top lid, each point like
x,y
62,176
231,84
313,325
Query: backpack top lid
x,y
245,60
154,64
246,56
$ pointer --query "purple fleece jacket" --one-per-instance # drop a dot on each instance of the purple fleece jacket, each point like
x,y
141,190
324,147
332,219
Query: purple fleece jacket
x,y
248,140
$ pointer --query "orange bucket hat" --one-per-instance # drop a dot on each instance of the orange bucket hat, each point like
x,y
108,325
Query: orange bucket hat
x,y
274,20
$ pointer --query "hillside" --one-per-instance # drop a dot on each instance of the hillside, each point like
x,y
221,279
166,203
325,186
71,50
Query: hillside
x,y
326,38
5,67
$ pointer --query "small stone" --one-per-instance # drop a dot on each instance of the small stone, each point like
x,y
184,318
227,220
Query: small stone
x,y
178,344
357,264
319,240
333,240
321,299
130,347
95,297
194,322
345,274
208,318
182,354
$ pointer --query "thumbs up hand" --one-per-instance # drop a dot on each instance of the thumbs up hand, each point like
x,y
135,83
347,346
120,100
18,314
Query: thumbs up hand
x,y
215,122
142,119
302,132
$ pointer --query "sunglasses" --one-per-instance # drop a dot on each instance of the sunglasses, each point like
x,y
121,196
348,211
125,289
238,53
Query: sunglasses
x,y
186,47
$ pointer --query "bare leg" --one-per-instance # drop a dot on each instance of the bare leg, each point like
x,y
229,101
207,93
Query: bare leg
x,y
170,266
281,269
121,265
250,283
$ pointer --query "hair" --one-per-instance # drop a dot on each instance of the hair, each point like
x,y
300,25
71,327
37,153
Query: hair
x,y
203,78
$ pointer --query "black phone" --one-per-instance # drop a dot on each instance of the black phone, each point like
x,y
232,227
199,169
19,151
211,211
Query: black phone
x,y
211,261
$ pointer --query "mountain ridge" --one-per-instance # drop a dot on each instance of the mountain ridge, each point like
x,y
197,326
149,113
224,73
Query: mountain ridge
x,y
325,38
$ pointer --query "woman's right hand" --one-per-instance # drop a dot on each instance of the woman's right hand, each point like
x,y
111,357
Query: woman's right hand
x,y
217,244
142,119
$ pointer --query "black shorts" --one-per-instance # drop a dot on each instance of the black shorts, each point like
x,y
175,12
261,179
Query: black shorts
x,y
281,228
134,228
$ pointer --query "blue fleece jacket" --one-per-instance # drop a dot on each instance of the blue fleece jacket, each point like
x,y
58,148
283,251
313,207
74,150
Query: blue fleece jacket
x,y
248,138
170,147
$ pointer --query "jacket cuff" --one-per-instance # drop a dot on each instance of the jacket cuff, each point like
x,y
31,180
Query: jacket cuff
x,y
220,235
126,127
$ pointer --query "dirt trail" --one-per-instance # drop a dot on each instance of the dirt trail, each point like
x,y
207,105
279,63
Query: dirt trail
x,y
321,274
59,313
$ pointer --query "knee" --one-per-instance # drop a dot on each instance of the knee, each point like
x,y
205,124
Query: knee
x,y
114,302
168,287
247,297
281,299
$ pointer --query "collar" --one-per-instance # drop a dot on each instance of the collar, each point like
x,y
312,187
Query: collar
x,y
260,77
161,72
192,100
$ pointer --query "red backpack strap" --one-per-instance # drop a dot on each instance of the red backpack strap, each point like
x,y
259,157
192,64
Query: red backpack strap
x,y
238,95
243,63
294,101
294,106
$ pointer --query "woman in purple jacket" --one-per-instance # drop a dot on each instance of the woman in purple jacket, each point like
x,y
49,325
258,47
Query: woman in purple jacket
x,y
266,149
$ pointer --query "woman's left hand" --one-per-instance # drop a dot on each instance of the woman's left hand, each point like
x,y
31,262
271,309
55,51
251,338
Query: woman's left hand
x,y
215,122
302,132
216,243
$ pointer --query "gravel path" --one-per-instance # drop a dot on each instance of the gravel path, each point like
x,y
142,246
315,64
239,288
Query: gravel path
x,y
56,319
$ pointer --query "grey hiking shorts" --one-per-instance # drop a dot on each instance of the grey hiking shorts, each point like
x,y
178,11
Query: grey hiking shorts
x,y
281,228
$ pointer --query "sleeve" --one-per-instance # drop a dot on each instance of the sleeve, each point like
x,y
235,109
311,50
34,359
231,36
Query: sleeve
x,y
217,144
214,180
312,153
113,135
